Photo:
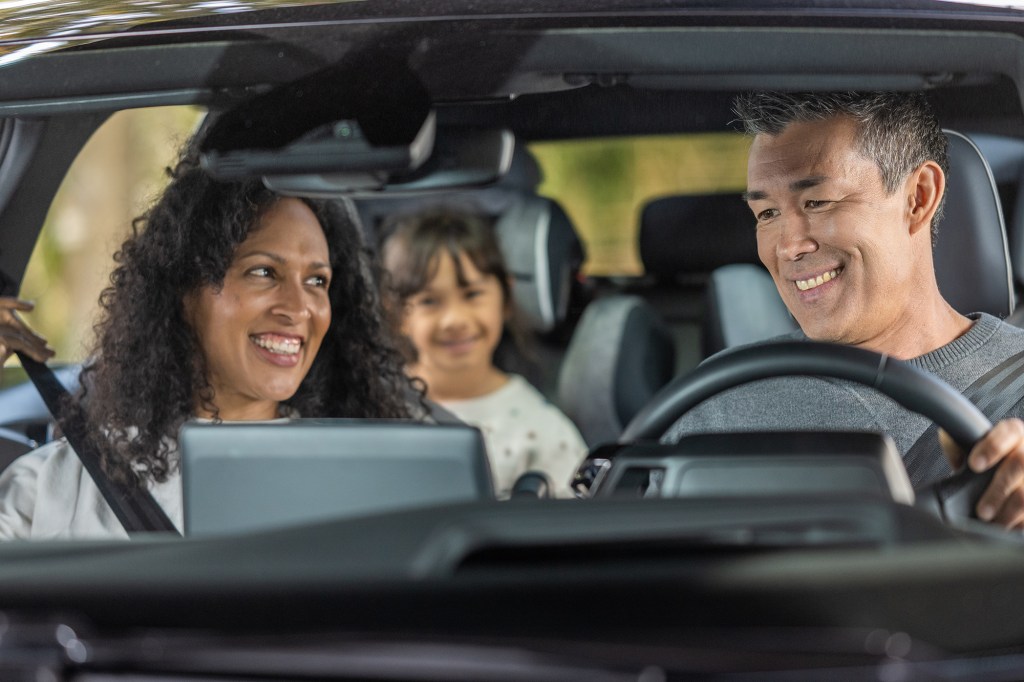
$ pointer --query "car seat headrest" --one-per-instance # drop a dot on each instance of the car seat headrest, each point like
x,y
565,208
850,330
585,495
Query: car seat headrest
x,y
695,233
543,253
537,238
972,263
524,174
743,306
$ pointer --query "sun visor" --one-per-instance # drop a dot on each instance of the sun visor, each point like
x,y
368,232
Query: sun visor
x,y
361,122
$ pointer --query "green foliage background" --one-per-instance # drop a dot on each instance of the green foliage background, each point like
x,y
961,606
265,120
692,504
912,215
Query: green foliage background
x,y
602,184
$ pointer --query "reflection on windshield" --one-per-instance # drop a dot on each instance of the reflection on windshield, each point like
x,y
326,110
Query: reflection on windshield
x,y
57,23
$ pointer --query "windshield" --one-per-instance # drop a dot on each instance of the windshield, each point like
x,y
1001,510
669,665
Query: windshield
x,y
388,335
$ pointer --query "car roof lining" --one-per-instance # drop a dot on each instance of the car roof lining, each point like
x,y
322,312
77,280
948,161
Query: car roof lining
x,y
574,82
457,66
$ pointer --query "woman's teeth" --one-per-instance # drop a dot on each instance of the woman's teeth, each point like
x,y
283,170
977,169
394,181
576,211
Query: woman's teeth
x,y
278,345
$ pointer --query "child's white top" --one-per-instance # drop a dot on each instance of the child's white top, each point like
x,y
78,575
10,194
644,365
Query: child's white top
x,y
523,432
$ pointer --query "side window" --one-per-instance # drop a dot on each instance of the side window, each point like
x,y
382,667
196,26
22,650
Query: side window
x,y
115,177
603,185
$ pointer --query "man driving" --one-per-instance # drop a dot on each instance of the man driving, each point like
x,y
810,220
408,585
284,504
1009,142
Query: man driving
x,y
847,190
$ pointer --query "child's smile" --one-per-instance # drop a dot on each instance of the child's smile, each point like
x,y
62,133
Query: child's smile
x,y
455,323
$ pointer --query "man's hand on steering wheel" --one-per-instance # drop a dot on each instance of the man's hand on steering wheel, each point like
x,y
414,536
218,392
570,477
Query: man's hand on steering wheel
x,y
1002,447
15,335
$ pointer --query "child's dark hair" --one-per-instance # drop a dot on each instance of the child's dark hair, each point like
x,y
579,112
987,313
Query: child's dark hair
x,y
411,243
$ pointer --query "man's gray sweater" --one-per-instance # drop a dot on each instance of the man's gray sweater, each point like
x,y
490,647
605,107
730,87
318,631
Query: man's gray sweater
x,y
823,404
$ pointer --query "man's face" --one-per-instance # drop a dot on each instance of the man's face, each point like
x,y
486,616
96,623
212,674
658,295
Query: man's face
x,y
838,247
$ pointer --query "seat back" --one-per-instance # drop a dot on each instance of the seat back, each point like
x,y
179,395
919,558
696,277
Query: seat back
x,y
743,306
543,254
624,350
972,261
620,355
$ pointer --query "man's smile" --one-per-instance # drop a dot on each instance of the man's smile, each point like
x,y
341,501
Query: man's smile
x,y
815,282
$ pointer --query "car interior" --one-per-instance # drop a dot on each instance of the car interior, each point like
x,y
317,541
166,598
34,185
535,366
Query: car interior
x,y
737,556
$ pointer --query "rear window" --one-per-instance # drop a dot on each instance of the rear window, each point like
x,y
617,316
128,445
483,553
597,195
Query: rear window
x,y
603,185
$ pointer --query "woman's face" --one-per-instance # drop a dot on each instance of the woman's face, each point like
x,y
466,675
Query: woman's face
x,y
261,331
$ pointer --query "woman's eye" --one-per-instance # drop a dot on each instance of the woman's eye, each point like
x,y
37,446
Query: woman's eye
x,y
426,302
261,271
319,281
473,293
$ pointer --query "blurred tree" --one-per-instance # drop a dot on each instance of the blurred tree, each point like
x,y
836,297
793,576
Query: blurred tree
x,y
115,177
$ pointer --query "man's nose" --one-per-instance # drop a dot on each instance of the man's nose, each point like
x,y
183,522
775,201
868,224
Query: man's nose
x,y
795,238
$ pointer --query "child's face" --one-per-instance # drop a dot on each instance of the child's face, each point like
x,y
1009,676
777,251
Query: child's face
x,y
456,328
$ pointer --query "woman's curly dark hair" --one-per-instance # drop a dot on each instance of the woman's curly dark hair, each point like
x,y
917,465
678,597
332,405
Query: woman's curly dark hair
x,y
147,371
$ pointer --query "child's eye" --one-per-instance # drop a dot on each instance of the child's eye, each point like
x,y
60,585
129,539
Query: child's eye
x,y
427,301
473,293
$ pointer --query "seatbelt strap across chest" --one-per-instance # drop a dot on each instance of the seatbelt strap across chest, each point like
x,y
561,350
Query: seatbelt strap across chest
x,y
135,508
994,393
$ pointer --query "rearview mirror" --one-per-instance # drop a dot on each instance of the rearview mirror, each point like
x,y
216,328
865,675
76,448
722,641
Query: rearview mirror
x,y
337,148
460,158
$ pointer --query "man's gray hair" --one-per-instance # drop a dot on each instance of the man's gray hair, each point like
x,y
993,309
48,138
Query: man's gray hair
x,y
897,130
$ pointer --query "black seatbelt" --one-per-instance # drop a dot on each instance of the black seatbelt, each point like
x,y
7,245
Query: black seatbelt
x,y
134,507
995,392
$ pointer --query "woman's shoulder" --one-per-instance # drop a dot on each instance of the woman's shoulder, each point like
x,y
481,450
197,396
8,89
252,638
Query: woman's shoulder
x,y
37,491
55,454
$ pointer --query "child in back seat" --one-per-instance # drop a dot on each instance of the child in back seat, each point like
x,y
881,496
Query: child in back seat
x,y
446,269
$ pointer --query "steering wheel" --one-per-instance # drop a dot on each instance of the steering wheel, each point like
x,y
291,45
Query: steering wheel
x,y
953,499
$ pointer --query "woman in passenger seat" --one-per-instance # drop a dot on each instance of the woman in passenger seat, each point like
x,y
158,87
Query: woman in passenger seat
x,y
227,303
446,269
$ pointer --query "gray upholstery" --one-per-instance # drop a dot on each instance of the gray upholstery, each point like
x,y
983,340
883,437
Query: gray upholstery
x,y
1005,156
13,445
695,233
620,355
539,242
743,306
622,352
972,263
543,254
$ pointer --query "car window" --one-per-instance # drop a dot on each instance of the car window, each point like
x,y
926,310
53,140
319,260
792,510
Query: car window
x,y
603,184
112,181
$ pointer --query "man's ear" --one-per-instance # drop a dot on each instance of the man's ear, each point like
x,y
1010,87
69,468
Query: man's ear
x,y
925,189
